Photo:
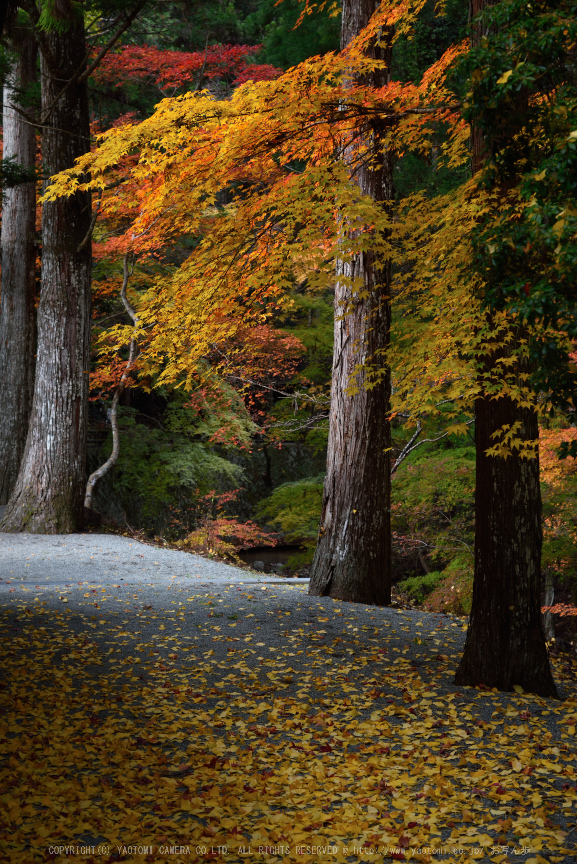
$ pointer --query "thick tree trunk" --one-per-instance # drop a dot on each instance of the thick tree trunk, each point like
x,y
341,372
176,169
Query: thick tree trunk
x,y
353,556
18,285
505,642
49,491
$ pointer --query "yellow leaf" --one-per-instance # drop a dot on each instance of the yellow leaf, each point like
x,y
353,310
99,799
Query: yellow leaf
x,y
505,77
458,429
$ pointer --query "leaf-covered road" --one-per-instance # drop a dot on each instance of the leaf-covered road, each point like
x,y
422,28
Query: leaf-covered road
x,y
254,717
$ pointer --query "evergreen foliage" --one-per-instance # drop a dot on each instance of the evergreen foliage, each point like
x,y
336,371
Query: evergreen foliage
x,y
294,509
519,87
12,174
284,45
419,587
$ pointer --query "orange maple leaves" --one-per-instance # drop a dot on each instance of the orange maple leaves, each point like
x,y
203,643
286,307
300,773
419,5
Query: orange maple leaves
x,y
253,184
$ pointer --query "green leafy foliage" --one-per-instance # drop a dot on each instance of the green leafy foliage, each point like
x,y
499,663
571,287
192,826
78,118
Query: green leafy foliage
x,y
419,587
434,32
294,509
433,504
519,88
284,46
568,448
437,28
12,174
58,17
416,172
164,470
6,61
310,319
454,591
433,519
300,412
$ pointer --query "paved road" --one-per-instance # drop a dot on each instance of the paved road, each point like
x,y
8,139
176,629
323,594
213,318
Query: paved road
x,y
51,559
106,640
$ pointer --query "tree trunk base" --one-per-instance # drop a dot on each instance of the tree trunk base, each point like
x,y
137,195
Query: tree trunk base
x,y
92,517
25,514
505,642
479,668
344,582
49,491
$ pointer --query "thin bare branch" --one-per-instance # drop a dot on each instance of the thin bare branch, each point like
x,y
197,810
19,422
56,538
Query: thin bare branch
x,y
132,351
413,443
111,42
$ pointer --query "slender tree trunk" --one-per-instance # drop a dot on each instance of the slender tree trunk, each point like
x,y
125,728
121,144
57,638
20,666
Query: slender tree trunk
x,y
18,285
505,641
132,351
353,555
49,491
548,617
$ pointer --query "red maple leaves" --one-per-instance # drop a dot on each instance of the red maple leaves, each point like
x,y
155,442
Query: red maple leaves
x,y
175,69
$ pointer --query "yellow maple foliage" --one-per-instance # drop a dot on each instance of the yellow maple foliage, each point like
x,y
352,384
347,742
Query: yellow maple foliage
x,y
259,185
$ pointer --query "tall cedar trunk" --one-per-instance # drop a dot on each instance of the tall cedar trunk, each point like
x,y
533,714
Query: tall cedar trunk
x,y
49,491
505,642
353,556
18,285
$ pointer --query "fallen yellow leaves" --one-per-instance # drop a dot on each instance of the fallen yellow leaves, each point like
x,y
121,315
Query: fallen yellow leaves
x,y
365,756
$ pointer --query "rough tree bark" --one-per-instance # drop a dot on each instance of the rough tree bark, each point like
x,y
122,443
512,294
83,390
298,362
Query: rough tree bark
x,y
18,285
505,642
48,495
353,555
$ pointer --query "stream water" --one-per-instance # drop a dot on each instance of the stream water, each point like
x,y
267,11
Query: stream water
x,y
273,558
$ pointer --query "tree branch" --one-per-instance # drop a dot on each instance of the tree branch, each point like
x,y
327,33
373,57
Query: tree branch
x,y
113,39
24,118
411,445
92,224
100,472
79,76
